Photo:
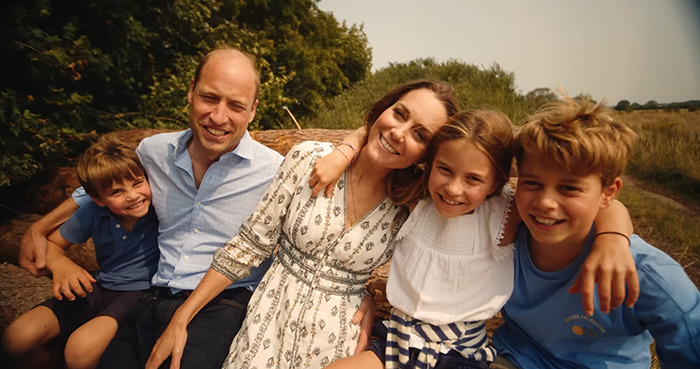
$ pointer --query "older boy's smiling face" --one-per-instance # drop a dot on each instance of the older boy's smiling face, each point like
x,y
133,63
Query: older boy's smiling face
x,y
557,206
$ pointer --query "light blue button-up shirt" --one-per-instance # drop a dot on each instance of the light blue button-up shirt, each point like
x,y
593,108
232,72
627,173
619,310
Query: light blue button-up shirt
x,y
195,222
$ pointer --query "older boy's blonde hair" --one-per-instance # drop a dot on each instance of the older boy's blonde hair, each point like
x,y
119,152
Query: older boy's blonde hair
x,y
578,135
106,161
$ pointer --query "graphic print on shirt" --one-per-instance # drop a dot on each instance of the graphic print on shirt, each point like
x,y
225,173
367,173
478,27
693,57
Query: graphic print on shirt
x,y
583,325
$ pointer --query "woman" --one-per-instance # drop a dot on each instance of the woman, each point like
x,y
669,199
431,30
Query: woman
x,y
300,314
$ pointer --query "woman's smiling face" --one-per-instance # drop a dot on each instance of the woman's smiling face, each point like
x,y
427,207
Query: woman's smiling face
x,y
401,134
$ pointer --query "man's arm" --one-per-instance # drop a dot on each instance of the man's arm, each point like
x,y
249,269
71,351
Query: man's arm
x,y
32,254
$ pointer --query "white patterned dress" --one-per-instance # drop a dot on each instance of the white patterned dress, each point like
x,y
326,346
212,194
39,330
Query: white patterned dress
x,y
300,314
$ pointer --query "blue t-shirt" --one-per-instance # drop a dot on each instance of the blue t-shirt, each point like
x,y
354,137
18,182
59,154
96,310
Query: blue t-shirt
x,y
545,326
127,261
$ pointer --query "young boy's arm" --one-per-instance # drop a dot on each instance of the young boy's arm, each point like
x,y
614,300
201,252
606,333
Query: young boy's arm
x,y
69,279
610,264
328,169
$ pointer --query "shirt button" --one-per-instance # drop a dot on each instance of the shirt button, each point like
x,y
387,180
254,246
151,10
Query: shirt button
x,y
124,238
187,257
196,230
178,277
118,225
199,203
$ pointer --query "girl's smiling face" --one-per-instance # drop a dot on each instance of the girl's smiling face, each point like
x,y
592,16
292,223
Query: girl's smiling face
x,y
461,178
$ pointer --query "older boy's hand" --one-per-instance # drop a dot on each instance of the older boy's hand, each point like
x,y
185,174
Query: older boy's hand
x,y
610,265
365,317
69,279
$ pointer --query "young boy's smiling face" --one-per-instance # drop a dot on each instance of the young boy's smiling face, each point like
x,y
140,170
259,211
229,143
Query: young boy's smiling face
x,y
557,206
128,199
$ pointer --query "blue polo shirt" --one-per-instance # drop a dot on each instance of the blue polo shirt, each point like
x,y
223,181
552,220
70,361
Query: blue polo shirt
x,y
127,260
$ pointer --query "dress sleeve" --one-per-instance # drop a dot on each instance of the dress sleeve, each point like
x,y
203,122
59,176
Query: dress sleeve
x,y
260,233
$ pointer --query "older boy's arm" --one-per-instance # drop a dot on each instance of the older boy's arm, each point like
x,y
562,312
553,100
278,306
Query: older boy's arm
x,y
328,169
610,264
32,254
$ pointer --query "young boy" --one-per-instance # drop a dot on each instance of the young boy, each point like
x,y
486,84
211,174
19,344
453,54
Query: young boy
x,y
124,229
569,161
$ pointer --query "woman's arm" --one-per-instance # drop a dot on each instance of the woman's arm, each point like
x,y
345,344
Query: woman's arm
x,y
328,169
172,341
610,264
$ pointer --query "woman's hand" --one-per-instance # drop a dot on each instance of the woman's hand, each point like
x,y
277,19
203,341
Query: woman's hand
x,y
365,317
171,343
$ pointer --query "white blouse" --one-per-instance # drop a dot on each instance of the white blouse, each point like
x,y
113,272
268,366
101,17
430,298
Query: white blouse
x,y
452,270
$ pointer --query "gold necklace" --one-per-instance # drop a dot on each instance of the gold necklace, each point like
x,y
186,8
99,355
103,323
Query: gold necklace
x,y
352,193
354,207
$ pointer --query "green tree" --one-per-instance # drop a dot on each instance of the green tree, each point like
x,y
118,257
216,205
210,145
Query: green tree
x,y
83,66
540,96
622,105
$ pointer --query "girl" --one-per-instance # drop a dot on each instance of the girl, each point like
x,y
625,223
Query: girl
x,y
453,264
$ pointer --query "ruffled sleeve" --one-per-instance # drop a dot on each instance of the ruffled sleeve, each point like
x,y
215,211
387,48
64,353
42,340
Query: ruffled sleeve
x,y
499,209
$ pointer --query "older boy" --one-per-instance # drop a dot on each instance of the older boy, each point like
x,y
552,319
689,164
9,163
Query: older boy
x,y
124,229
569,158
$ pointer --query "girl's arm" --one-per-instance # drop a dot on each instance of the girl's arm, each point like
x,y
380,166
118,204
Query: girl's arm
x,y
69,279
172,341
328,169
610,264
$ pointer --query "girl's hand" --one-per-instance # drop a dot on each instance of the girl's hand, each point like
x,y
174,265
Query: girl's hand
x,y
610,265
328,169
69,279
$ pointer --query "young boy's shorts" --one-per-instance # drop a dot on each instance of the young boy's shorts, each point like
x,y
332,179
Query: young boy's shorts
x,y
451,359
101,301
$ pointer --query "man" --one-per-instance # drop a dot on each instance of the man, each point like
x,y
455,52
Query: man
x,y
205,182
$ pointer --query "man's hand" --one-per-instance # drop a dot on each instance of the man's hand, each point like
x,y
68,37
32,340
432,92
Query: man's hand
x,y
32,253
69,279
365,317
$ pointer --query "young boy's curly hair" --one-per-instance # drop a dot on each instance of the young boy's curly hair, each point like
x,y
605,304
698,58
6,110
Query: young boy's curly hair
x,y
578,135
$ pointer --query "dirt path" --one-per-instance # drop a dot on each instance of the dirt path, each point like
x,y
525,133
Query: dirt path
x,y
689,259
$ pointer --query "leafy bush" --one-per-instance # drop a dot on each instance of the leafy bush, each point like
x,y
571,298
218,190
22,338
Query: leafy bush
x,y
490,88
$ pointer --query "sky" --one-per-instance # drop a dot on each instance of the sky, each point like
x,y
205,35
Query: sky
x,y
636,50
